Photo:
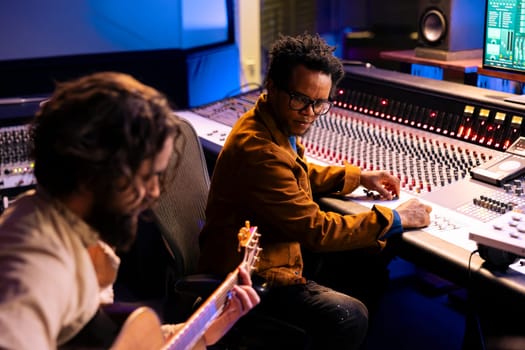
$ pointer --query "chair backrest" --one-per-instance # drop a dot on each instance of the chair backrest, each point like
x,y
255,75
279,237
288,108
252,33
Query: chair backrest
x,y
179,212
180,215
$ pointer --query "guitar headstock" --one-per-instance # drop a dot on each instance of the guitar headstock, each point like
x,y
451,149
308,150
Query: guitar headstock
x,y
249,240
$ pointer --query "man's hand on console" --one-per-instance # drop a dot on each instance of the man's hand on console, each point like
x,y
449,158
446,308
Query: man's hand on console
x,y
414,214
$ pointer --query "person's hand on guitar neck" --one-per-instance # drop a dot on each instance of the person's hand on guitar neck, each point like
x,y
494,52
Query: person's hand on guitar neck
x,y
243,299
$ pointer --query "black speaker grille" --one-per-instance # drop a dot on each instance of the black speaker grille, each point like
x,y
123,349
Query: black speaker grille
x,y
289,17
433,26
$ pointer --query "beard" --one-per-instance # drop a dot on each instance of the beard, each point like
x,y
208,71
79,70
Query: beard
x,y
116,229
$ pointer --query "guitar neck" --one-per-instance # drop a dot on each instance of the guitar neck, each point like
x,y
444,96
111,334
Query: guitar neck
x,y
132,336
196,325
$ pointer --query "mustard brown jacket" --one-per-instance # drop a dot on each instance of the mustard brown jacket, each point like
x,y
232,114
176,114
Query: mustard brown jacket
x,y
260,178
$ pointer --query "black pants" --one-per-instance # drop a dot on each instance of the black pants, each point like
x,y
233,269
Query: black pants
x,y
361,273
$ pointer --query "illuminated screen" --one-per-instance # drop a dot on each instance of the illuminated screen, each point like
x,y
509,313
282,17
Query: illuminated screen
x,y
37,29
504,46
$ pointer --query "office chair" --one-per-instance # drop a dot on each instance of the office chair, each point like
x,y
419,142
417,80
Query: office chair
x,y
179,215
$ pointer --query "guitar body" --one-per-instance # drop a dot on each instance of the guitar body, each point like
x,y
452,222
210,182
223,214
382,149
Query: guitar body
x,y
141,331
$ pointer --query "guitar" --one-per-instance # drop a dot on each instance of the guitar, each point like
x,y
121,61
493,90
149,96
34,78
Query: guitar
x,y
145,321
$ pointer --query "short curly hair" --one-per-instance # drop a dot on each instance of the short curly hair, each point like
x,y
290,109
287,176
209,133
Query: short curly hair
x,y
96,130
309,50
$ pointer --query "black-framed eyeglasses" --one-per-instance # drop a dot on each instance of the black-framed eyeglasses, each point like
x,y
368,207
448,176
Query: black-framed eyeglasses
x,y
299,102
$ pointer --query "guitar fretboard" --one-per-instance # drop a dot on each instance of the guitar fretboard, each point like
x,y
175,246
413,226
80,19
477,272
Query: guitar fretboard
x,y
206,313
197,324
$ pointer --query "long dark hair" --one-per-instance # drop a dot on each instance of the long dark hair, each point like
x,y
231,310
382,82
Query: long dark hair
x,y
98,129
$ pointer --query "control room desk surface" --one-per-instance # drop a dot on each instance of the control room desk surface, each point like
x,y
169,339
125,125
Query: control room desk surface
x,y
446,259
461,70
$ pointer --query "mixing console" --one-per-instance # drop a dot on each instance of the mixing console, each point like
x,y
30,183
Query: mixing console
x,y
429,133
423,161
16,168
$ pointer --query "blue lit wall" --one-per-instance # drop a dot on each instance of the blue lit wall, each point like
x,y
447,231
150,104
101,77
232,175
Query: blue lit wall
x,y
40,30
36,28
425,71
499,84
213,75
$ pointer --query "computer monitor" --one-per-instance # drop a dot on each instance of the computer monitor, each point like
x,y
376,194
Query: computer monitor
x,y
46,41
504,45
504,40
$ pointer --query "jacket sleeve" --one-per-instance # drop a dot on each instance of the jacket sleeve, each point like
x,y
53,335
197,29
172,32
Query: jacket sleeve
x,y
331,179
278,189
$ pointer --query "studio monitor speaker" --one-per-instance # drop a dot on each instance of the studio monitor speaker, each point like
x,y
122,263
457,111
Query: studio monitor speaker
x,y
451,25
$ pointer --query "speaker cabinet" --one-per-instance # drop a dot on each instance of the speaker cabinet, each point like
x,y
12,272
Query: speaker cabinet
x,y
451,25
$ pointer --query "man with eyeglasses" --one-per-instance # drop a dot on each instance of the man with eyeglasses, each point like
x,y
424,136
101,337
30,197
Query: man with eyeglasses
x,y
262,174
